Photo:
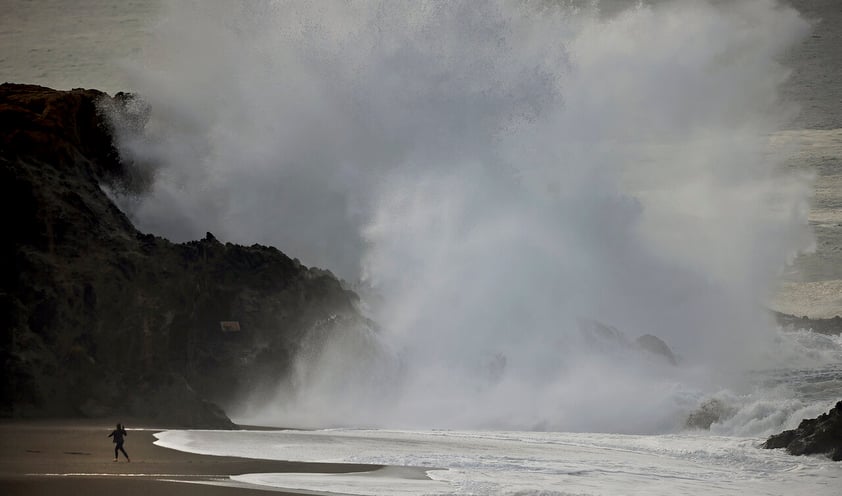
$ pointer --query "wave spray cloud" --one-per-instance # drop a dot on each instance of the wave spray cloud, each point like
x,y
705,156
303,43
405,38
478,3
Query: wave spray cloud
x,y
560,215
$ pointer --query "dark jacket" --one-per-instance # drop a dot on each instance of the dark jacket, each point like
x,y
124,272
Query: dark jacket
x,y
118,434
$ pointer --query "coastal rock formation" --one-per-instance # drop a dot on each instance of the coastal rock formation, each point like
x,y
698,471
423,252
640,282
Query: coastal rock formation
x,y
831,326
100,319
821,435
657,346
708,413
606,338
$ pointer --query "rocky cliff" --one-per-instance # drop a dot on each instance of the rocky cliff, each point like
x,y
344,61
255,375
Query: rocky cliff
x,y
100,319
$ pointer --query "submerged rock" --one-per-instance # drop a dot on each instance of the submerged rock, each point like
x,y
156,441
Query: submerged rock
x,y
821,435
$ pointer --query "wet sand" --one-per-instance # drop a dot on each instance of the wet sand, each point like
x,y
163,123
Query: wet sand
x,y
76,457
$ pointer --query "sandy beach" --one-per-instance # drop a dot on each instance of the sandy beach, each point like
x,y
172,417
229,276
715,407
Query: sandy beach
x,y
76,457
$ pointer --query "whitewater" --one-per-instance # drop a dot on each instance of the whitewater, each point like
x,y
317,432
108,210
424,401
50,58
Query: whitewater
x,y
725,459
520,463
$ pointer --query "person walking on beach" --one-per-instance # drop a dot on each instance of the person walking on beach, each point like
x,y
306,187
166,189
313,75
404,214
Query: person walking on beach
x,y
118,435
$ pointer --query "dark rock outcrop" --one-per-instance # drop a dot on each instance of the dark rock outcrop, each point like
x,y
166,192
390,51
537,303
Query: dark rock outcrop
x,y
831,326
657,346
97,318
821,435
708,413
606,338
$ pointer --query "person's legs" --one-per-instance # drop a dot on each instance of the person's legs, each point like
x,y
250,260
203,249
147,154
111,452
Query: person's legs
x,y
120,446
116,446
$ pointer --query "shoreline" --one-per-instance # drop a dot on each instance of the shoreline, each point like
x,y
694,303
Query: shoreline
x,y
75,456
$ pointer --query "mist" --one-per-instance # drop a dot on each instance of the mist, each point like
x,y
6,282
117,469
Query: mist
x,y
489,176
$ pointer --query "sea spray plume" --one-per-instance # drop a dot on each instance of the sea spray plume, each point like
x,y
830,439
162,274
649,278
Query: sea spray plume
x,y
307,108
494,172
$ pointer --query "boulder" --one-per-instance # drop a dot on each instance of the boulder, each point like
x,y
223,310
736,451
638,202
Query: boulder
x,y
821,435
708,413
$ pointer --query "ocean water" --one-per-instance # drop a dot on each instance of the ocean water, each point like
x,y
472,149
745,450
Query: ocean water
x,y
72,45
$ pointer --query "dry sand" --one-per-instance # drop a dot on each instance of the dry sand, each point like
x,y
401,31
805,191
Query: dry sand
x,y
76,457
